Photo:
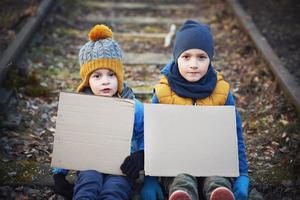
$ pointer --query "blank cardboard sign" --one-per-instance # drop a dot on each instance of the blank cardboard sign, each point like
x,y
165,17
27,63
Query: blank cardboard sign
x,y
92,132
198,140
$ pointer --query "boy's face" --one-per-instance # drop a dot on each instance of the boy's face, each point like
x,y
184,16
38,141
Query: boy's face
x,y
193,64
103,82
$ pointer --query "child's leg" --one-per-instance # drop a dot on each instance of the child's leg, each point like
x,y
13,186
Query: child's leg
x,y
116,188
184,186
165,183
217,186
88,185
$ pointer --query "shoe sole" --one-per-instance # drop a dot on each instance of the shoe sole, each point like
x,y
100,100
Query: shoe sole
x,y
221,193
180,195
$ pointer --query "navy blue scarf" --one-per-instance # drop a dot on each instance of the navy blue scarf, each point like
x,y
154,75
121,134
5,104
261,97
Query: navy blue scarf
x,y
194,90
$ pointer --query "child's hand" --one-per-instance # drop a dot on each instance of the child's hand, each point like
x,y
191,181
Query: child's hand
x,y
151,189
133,164
62,186
240,188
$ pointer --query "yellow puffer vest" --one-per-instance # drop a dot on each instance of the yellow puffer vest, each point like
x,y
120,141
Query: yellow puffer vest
x,y
166,96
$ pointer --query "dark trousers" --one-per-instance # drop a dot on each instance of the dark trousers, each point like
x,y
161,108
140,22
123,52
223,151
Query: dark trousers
x,y
191,185
94,185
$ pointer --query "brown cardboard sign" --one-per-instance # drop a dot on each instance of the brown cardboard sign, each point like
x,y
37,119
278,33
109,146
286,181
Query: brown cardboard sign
x,y
198,140
92,132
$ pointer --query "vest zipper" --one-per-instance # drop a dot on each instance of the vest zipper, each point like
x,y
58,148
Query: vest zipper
x,y
194,102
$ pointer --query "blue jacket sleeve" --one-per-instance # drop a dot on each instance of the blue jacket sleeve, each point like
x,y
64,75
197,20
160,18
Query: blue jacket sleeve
x,y
138,130
56,170
154,98
243,165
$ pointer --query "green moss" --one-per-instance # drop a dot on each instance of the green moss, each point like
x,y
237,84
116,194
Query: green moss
x,y
30,83
143,88
66,74
47,50
61,32
153,29
58,72
36,91
275,175
17,171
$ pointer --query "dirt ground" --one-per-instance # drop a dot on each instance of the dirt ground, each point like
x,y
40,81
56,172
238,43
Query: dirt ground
x,y
271,124
279,22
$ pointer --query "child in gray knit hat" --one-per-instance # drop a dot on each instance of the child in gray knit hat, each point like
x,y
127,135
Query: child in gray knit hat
x,y
102,74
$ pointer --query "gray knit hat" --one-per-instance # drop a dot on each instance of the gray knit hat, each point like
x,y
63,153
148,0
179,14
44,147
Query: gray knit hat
x,y
101,52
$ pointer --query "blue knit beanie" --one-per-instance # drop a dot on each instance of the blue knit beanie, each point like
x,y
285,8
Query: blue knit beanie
x,y
193,35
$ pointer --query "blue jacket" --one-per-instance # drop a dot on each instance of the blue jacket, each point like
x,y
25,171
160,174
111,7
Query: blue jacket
x,y
243,164
137,140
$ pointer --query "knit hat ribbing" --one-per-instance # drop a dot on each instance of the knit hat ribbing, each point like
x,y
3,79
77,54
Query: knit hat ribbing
x,y
101,52
193,35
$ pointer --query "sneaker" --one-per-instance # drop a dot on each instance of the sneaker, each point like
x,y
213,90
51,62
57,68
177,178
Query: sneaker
x,y
180,195
221,193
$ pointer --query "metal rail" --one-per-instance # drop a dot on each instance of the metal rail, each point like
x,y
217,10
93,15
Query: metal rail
x,y
22,38
286,80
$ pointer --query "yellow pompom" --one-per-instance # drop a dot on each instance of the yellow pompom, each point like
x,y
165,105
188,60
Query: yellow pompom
x,y
100,32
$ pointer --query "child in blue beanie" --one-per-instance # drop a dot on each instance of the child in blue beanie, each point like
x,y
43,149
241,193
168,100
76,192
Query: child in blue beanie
x,y
102,74
192,80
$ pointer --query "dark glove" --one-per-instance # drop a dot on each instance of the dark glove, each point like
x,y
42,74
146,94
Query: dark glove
x,y
133,164
62,186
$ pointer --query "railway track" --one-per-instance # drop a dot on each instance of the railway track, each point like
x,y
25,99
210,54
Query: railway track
x,y
141,29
